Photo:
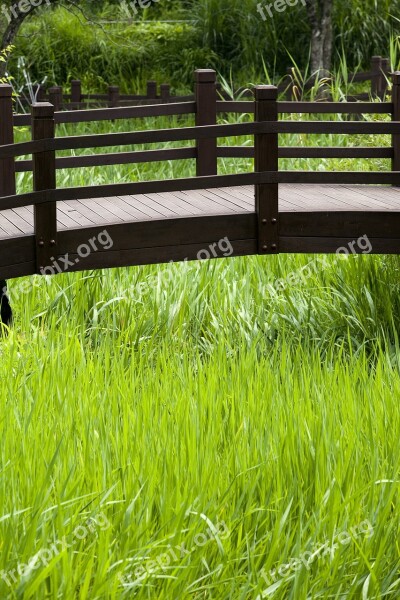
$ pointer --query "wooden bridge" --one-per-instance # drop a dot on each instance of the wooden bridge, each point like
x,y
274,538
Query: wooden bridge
x,y
264,212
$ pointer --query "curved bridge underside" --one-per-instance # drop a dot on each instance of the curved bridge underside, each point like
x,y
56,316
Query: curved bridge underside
x,y
155,228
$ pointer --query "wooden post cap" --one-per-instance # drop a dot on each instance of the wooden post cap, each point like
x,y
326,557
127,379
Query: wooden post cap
x,y
5,90
266,92
396,78
42,110
205,76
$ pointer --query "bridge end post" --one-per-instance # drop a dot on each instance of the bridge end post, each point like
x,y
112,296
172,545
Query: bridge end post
x,y
7,165
7,179
396,117
44,178
266,159
206,114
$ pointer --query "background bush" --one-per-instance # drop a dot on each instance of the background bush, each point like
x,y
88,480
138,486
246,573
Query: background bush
x,y
169,40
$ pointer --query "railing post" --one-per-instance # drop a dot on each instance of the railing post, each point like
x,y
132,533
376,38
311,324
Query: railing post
x,y
266,159
206,114
385,72
396,117
165,90
151,90
7,165
44,178
375,75
56,97
76,93
113,96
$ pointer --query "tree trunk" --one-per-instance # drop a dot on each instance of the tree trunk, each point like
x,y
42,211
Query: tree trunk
x,y
320,18
8,37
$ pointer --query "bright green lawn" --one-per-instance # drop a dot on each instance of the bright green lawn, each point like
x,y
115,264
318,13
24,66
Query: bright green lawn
x,y
178,431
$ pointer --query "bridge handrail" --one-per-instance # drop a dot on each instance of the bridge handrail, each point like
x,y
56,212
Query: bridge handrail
x,y
197,183
110,114
197,133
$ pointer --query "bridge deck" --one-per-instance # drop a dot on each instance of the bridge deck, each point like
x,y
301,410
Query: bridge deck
x,y
224,201
157,228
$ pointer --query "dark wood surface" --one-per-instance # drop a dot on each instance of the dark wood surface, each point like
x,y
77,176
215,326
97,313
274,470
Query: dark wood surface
x,y
169,226
293,198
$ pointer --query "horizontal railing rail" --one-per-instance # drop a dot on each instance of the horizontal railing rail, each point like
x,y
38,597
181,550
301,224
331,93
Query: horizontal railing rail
x,y
357,108
198,133
197,183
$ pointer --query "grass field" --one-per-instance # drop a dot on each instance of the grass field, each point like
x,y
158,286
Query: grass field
x,y
203,430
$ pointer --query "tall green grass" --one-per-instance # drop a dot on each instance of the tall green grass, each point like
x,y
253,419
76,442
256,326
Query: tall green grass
x,y
178,431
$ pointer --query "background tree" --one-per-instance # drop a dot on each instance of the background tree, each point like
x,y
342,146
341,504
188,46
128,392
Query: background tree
x,y
320,15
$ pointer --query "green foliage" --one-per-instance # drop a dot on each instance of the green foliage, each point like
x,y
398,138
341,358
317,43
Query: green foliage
x,y
4,57
229,36
64,48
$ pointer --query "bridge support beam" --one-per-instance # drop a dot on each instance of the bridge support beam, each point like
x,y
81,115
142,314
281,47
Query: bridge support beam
x,y
44,178
266,159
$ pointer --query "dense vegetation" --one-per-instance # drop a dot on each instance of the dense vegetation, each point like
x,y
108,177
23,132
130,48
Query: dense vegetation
x,y
229,36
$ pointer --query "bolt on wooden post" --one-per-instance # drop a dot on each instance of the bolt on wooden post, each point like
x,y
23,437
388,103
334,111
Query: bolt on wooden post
x,y
7,165
266,159
44,178
396,117
206,114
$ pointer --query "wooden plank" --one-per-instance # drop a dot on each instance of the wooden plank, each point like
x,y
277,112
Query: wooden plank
x,y
210,203
329,245
376,108
176,204
227,199
114,158
79,213
98,208
157,255
15,250
308,152
134,211
165,232
349,225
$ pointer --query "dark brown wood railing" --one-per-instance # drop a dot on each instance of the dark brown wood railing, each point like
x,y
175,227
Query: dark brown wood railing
x,y
205,134
293,86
